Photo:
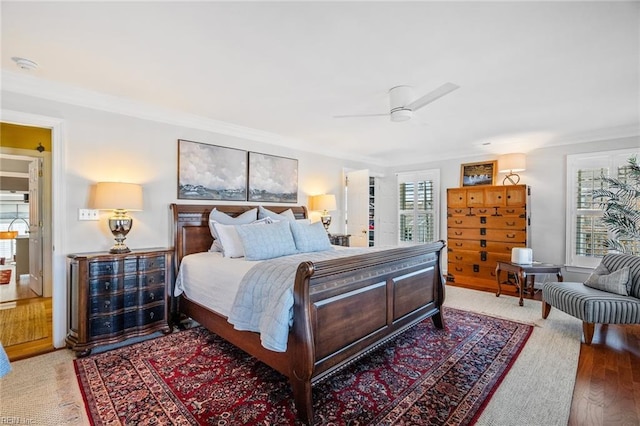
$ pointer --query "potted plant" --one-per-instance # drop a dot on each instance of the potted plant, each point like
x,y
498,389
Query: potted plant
x,y
621,203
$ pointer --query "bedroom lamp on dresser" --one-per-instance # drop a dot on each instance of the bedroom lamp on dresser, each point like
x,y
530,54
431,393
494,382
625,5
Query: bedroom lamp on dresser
x,y
484,224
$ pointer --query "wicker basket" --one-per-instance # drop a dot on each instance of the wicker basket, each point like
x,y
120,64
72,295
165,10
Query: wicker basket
x,y
5,276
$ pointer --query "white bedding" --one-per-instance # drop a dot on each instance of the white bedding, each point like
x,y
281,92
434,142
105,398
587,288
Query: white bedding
x,y
216,292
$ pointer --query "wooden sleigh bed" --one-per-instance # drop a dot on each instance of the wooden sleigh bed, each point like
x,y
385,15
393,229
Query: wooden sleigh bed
x,y
342,307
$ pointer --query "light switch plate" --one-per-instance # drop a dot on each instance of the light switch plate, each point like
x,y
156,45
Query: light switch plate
x,y
88,214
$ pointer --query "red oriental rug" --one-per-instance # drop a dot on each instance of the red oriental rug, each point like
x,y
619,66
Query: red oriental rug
x,y
423,376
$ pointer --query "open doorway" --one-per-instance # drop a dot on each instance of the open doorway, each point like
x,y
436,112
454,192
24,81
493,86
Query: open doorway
x,y
25,214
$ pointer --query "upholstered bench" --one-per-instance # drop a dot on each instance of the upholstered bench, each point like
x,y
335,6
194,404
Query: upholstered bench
x,y
611,295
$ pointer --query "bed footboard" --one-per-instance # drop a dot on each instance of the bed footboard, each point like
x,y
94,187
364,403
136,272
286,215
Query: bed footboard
x,y
345,307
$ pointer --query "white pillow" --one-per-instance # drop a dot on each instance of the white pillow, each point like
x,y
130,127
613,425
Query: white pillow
x,y
285,215
229,239
224,219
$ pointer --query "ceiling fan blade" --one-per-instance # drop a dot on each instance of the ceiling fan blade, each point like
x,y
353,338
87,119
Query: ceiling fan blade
x,y
432,96
361,115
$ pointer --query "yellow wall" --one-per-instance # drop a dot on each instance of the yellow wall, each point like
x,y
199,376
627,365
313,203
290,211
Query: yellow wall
x,y
24,137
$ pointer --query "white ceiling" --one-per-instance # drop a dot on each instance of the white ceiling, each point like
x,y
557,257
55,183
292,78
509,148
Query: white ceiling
x,y
531,74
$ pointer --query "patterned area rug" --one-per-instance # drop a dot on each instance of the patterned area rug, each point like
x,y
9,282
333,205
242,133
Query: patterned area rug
x,y
424,376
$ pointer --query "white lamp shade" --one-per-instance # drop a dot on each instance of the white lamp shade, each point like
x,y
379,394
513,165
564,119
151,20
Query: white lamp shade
x,y
118,196
323,202
510,163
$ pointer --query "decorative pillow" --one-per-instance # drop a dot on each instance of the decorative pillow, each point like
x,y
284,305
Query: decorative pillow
x,y
311,237
229,240
285,215
612,282
224,219
266,242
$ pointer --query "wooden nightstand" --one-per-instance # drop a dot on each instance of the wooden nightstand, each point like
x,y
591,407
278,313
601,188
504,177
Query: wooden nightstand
x,y
339,239
113,297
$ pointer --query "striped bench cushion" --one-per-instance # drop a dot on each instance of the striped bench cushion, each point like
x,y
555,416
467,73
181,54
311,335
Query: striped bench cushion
x,y
591,305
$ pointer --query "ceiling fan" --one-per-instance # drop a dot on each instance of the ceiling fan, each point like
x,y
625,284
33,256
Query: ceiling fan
x,y
403,102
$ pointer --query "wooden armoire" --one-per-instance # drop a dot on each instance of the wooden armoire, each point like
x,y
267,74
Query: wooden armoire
x,y
483,224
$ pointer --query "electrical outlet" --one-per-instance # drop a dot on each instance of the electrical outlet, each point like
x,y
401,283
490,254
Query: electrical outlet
x,y
88,214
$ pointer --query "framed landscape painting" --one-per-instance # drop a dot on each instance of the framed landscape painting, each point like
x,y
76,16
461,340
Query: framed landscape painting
x,y
272,178
478,174
211,172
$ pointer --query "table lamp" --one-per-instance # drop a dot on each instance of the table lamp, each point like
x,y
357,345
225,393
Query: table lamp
x,y
121,198
324,203
511,163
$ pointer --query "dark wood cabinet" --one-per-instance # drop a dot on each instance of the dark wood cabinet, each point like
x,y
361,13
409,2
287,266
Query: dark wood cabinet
x,y
483,225
113,297
339,239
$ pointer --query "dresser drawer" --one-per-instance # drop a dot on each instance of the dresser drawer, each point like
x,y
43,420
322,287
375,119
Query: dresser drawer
x,y
151,278
105,304
105,285
503,235
144,317
480,245
483,258
150,263
459,270
105,324
495,222
150,295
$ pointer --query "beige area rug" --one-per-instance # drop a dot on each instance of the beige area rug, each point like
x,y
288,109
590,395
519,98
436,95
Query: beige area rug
x,y
537,391
539,388
28,322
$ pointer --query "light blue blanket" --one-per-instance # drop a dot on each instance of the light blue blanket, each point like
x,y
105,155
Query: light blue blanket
x,y
264,302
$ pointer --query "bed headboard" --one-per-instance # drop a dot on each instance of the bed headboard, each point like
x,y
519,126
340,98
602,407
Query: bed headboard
x,y
191,225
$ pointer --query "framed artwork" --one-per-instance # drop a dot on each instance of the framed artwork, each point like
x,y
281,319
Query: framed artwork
x,y
478,174
272,178
211,172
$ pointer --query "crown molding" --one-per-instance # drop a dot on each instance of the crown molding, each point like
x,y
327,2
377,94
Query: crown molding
x,y
65,93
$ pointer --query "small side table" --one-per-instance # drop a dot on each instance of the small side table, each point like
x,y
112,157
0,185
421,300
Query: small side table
x,y
525,274
339,239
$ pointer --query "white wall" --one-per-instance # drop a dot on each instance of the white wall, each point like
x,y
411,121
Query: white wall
x,y
546,175
102,146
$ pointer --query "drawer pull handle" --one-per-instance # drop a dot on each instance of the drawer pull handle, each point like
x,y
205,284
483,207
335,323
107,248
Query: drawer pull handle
x,y
107,284
151,296
511,211
458,269
151,280
458,222
458,244
458,233
151,315
511,236
107,324
511,224
107,303
109,268
458,257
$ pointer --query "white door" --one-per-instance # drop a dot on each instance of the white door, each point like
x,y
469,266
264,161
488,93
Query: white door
x,y
35,226
358,208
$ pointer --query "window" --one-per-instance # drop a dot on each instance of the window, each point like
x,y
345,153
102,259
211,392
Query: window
x,y
586,233
418,202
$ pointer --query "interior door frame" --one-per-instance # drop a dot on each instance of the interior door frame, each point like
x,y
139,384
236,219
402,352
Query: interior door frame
x,y
54,260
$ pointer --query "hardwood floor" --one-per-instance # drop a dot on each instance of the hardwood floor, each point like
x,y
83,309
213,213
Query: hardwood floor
x,y
607,390
34,347
21,294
